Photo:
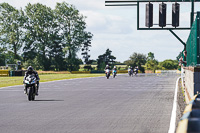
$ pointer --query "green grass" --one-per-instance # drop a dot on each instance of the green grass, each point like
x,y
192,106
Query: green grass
x,y
11,81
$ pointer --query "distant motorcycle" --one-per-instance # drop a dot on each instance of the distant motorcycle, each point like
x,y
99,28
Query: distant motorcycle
x,y
114,73
30,82
130,72
107,73
135,71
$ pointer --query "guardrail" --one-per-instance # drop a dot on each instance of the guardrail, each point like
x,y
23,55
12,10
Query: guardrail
x,y
190,121
4,72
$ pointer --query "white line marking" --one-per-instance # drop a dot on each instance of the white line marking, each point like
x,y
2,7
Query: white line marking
x,y
173,115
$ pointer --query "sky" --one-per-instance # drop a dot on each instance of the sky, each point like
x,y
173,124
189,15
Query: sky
x,y
116,28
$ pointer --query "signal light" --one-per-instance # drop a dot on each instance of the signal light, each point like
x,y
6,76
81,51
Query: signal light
x,y
162,14
149,15
175,14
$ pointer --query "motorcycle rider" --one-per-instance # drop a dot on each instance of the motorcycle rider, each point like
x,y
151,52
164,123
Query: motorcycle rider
x,y
107,67
130,70
136,70
115,70
30,71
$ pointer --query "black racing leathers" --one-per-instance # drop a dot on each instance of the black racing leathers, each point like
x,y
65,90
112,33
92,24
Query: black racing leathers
x,y
37,78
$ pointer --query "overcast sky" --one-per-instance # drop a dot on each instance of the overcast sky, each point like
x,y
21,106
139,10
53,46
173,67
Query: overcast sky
x,y
116,28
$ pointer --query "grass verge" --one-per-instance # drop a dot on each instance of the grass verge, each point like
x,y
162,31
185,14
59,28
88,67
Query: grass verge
x,y
11,81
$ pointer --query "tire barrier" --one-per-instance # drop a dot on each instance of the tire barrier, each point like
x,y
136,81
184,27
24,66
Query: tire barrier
x,y
190,121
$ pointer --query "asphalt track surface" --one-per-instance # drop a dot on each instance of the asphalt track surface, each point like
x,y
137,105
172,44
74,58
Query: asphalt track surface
x,y
141,104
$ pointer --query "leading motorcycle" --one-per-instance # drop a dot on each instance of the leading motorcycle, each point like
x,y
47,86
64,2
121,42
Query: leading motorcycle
x,y
30,82
107,71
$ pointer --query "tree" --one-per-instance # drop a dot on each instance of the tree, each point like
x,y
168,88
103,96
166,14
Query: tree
x,y
150,56
105,59
169,64
85,51
136,59
152,63
50,39
11,33
72,29
41,35
2,57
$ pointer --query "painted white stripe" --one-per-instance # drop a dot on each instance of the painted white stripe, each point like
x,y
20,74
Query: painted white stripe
x,y
173,115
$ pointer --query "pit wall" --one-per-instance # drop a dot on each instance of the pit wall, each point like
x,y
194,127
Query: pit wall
x,y
191,82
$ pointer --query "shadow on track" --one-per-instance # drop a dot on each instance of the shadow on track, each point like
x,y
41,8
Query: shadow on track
x,y
48,100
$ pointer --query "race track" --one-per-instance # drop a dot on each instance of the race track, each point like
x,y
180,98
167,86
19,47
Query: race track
x,y
141,104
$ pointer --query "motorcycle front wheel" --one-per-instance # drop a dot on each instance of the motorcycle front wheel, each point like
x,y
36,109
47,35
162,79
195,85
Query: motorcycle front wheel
x,y
107,75
31,95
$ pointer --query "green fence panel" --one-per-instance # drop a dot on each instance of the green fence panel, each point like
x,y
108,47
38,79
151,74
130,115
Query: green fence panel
x,y
192,44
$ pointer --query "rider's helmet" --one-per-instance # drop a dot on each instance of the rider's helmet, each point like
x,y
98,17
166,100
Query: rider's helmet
x,y
107,65
114,66
129,66
30,69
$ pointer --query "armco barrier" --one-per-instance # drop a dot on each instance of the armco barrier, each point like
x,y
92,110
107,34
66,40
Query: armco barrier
x,y
190,121
4,72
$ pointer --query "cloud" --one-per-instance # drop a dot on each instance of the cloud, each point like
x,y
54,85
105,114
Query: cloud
x,y
100,23
88,5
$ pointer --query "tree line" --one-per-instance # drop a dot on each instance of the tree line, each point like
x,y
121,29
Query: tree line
x,y
45,38
137,59
150,63
49,39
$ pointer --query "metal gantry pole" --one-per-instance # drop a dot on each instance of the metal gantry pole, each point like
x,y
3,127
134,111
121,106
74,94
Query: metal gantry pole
x,y
192,13
138,13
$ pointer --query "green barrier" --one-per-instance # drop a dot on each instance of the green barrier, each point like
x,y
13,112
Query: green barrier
x,y
192,44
